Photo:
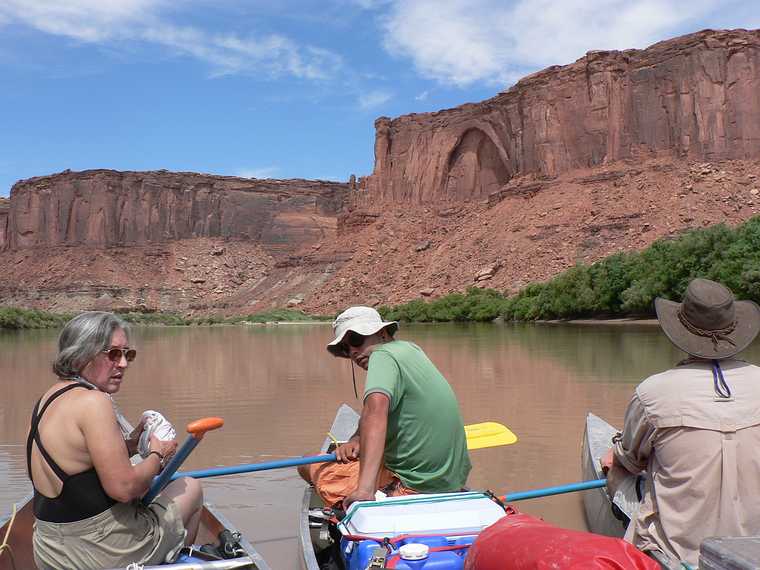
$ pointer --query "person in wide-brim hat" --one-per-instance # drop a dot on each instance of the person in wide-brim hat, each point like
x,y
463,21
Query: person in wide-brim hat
x,y
709,323
694,430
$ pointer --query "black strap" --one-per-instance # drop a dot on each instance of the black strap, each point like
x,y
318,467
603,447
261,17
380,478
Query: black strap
x,y
34,434
30,439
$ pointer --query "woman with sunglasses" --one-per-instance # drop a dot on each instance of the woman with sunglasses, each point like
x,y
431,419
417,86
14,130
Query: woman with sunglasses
x,y
86,490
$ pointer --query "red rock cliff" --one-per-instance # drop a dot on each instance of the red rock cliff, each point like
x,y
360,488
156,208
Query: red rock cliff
x,y
107,208
4,207
578,162
692,97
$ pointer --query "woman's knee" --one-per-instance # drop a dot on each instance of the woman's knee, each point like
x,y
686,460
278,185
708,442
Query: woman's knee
x,y
193,490
187,491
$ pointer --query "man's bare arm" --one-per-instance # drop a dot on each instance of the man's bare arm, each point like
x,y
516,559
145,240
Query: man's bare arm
x,y
372,427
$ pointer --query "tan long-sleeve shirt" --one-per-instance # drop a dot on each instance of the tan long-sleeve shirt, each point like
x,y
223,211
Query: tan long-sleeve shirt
x,y
701,455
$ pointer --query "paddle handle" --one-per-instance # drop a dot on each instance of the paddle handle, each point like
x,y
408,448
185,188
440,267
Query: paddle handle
x,y
558,490
252,467
197,430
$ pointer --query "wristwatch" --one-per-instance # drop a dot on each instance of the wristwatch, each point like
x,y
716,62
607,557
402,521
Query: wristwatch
x,y
161,457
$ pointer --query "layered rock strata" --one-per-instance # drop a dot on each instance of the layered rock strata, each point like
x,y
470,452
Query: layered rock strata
x,y
5,207
103,208
160,240
692,97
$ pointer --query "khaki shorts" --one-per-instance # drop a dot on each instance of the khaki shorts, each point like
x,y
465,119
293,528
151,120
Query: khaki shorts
x,y
335,481
125,533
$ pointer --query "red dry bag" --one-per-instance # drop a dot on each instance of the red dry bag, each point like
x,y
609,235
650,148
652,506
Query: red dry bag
x,y
522,542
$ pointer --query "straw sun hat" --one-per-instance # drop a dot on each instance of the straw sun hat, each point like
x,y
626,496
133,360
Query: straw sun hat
x,y
709,323
365,321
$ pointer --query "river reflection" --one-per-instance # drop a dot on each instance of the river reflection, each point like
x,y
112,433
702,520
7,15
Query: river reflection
x,y
278,389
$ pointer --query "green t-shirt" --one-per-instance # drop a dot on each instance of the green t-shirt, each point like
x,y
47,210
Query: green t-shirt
x,y
425,444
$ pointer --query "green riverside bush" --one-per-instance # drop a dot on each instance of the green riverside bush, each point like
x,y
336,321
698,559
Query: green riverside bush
x,y
626,284
13,318
623,284
474,305
282,315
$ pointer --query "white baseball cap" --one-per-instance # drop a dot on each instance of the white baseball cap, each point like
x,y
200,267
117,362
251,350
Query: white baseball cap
x,y
365,321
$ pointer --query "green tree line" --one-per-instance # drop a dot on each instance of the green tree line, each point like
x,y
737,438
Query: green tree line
x,y
623,284
15,318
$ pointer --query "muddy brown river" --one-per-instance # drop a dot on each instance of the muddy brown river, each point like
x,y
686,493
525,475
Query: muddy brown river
x,y
278,389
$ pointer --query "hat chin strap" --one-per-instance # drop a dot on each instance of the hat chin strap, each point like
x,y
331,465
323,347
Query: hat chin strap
x,y
353,376
714,334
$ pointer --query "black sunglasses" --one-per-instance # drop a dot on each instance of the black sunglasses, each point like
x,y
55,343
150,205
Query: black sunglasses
x,y
115,354
352,338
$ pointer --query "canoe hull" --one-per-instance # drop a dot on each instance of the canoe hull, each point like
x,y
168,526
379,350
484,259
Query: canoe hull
x,y
604,515
20,539
600,518
211,524
344,426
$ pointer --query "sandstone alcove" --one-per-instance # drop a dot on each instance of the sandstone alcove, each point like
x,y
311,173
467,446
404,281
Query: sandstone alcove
x,y
475,167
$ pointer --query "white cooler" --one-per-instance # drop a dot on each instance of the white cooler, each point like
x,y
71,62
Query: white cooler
x,y
451,514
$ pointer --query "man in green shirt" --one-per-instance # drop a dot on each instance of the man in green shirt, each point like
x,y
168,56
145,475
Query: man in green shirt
x,y
411,436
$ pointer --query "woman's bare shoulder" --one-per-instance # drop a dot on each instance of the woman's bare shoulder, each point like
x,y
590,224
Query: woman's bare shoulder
x,y
72,394
93,411
82,399
94,398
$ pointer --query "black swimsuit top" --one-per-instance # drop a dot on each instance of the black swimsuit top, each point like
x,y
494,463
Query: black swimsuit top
x,y
82,495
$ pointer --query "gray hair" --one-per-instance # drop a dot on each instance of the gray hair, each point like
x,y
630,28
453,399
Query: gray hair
x,y
82,338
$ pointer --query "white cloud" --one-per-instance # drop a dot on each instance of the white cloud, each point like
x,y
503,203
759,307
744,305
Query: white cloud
x,y
228,54
85,20
465,41
445,39
113,21
422,96
265,172
372,99
577,26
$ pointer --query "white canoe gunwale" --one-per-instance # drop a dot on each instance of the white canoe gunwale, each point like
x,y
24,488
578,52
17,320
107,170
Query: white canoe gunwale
x,y
600,518
343,427
607,516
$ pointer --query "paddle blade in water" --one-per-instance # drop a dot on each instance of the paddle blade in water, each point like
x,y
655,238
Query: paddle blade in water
x,y
488,434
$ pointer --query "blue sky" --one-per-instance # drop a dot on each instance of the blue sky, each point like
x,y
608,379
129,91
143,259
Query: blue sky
x,y
285,89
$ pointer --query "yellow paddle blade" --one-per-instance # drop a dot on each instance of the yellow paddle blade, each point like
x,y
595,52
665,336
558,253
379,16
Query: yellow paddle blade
x,y
488,434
